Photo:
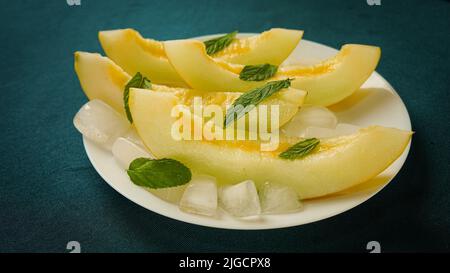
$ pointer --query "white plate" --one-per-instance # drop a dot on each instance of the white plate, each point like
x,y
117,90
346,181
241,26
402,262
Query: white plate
x,y
380,105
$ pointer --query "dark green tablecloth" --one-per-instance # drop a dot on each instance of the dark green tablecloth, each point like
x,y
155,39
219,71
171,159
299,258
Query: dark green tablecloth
x,y
50,194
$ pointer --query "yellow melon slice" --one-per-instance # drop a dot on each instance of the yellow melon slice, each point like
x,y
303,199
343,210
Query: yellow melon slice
x,y
272,46
102,79
129,50
337,164
133,53
327,82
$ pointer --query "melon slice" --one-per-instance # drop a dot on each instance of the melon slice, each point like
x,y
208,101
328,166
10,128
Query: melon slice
x,y
133,53
272,46
338,164
102,79
128,49
327,82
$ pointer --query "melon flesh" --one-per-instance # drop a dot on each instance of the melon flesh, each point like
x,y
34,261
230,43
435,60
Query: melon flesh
x,y
326,83
128,49
336,78
133,53
272,46
102,79
338,164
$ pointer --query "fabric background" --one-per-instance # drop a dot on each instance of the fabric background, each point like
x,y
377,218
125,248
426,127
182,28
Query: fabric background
x,y
50,194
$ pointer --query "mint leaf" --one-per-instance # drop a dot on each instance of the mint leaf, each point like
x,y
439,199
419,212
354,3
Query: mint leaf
x,y
258,72
138,81
300,149
253,98
158,173
217,44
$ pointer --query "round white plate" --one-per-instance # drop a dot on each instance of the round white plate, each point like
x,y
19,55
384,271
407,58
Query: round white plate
x,y
376,104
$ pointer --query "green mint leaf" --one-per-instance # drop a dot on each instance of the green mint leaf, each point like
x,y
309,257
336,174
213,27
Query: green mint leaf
x,y
300,149
252,98
138,81
158,173
217,44
258,72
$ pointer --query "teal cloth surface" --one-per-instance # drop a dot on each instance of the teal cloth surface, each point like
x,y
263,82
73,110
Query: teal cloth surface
x,y
50,194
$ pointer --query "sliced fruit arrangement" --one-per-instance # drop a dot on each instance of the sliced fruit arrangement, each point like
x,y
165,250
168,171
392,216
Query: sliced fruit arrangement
x,y
102,79
327,82
362,155
103,125
133,53
144,80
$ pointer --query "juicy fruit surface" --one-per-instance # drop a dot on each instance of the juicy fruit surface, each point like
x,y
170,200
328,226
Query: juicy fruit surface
x,y
133,53
339,163
190,60
272,46
102,79
288,100
327,82
337,78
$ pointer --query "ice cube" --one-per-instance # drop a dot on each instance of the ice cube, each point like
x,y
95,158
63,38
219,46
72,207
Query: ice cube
x,y
171,195
133,136
319,132
100,123
309,116
342,129
276,199
200,196
240,200
346,129
125,151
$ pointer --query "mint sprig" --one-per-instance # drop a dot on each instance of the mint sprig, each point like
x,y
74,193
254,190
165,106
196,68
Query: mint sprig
x,y
217,44
258,72
300,149
158,173
138,81
252,98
